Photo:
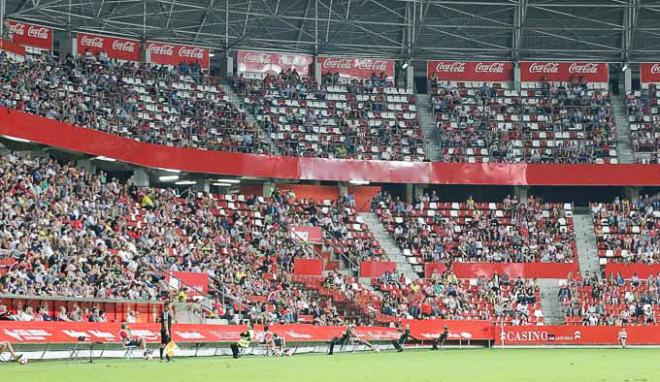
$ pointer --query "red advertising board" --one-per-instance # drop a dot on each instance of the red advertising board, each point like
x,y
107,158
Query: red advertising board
x,y
425,330
252,61
116,48
306,233
357,67
33,35
307,267
370,268
12,47
537,71
69,332
173,54
649,72
196,283
574,335
65,136
486,71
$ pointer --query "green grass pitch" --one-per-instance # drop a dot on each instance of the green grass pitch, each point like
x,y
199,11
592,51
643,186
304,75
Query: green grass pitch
x,y
496,365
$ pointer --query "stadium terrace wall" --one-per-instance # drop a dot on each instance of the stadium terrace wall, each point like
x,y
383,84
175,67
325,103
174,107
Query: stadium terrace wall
x,y
49,333
627,270
61,135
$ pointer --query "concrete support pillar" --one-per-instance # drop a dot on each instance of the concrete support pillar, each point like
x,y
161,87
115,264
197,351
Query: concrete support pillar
x,y
317,71
418,191
140,177
520,192
516,76
204,185
343,189
230,67
627,78
632,193
409,193
410,78
269,187
87,165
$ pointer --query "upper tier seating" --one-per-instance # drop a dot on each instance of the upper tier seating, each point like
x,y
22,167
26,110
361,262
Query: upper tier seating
x,y
644,121
358,120
149,103
541,123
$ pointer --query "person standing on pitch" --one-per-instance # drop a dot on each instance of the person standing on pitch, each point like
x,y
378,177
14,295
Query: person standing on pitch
x,y
441,339
243,342
398,345
623,338
165,329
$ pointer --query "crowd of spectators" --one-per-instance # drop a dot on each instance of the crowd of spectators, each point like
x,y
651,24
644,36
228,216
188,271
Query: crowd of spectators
x,y
611,301
511,231
644,121
558,123
77,234
357,119
629,231
175,106
497,298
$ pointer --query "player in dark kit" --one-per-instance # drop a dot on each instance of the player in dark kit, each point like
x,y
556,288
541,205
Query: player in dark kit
x,y
405,335
165,329
349,337
441,340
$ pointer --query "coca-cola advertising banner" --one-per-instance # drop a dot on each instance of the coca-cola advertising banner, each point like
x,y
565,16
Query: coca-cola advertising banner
x,y
650,72
116,48
34,35
172,54
425,330
308,234
575,335
536,71
357,67
251,61
488,71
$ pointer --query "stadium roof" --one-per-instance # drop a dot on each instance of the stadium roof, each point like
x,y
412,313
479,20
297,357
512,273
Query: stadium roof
x,y
611,30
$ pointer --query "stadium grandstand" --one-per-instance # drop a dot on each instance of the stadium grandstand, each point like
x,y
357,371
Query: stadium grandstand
x,y
198,179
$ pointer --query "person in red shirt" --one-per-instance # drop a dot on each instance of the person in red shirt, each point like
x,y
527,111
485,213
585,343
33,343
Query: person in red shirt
x,y
129,339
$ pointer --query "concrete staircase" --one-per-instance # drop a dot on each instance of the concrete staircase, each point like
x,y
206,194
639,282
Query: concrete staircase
x,y
392,251
427,122
237,101
552,314
623,149
586,242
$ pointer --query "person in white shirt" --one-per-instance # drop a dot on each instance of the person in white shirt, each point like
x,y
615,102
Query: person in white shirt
x,y
623,338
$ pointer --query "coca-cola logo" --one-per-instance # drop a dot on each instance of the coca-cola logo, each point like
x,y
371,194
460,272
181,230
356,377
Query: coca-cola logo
x,y
124,46
257,58
338,63
294,60
544,67
41,33
370,64
586,68
450,67
492,67
655,69
162,49
16,28
191,52
92,41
